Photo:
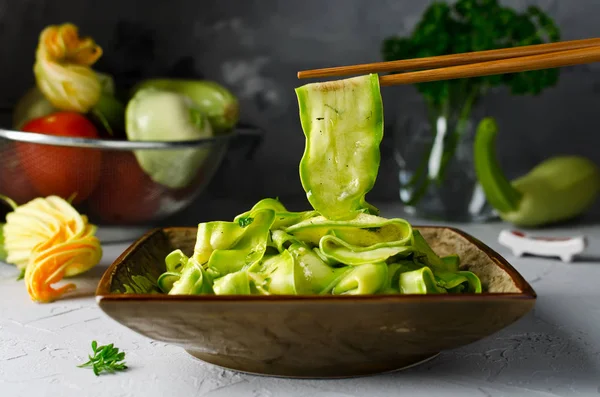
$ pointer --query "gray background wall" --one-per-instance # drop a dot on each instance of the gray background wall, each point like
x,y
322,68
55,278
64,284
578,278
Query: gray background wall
x,y
256,47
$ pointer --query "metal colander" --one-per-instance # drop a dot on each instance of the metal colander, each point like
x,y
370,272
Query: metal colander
x,y
104,178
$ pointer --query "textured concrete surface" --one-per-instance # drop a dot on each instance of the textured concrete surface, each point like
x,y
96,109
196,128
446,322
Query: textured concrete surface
x,y
553,351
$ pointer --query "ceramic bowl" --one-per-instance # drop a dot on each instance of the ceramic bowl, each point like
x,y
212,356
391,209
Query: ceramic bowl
x,y
313,336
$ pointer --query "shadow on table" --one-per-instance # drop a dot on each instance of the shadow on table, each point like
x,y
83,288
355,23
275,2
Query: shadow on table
x,y
86,283
537,353
594,259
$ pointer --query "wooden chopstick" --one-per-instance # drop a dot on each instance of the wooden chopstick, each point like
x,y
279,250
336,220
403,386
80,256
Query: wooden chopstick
x,y
511,65
450,60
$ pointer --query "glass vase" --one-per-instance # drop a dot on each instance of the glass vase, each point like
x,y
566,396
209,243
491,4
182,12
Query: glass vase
x,y
434,152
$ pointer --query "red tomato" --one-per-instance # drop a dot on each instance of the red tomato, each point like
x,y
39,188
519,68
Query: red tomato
x,y
62,171
14,183
125,193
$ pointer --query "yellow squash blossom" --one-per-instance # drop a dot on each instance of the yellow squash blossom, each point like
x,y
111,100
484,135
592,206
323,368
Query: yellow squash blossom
x,y
63,68
50,240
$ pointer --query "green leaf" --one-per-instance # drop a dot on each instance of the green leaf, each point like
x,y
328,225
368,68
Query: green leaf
x,y
105,359
245,221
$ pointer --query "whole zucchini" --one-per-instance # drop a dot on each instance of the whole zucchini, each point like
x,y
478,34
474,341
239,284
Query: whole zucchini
x,y
217,102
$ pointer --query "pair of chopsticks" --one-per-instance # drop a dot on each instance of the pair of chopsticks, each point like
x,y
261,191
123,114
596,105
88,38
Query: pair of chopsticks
x,y
473,64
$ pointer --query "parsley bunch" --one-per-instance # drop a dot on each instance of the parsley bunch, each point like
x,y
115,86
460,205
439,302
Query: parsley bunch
x,y
105,358
476,25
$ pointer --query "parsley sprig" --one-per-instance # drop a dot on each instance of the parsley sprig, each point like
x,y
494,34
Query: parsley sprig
x,y
245,221
105,358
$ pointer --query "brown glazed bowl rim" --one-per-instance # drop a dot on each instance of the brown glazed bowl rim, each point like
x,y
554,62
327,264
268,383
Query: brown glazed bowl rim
x,y
103,292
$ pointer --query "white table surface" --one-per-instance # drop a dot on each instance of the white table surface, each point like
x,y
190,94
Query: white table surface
x,y
553,351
